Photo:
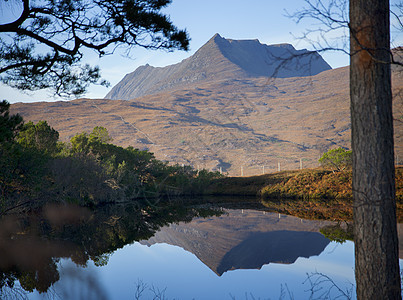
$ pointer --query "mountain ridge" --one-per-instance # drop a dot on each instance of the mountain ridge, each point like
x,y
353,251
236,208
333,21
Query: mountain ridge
x,y
217,59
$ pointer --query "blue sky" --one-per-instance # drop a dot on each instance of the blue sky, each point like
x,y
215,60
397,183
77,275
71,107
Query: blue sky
x,y
264,20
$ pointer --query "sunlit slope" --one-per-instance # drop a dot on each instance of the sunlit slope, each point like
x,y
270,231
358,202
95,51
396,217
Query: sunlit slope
x,y
248,123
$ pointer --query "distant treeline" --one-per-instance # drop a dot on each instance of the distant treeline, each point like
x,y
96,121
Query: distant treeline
x,y
36,168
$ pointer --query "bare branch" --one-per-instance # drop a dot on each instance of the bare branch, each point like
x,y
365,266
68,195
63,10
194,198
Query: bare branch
x,y
331,17
11,27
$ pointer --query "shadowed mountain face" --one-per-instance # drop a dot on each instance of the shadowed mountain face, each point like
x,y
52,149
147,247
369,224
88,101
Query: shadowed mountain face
x,y
280,61
221,58
282,246
245,239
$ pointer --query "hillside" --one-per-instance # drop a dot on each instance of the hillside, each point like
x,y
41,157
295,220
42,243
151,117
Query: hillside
x,y
253,122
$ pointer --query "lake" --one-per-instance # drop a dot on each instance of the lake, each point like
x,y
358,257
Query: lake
x,y
171,252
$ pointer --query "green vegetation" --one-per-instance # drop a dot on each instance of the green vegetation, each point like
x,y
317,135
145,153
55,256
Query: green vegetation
x,y
37,173
338,233
36,168
9,125
40,137
241,186
309,184
337,159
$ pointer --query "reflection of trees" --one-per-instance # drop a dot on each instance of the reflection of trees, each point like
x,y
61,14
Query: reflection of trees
x,y
31,245
333,210
338,232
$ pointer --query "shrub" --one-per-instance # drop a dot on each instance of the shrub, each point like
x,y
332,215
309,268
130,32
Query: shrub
x,y
336,159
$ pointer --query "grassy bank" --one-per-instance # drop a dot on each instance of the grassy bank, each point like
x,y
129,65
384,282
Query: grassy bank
x,y
323,192
297,184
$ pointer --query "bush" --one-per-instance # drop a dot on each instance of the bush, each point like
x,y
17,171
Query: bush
x,y
336,159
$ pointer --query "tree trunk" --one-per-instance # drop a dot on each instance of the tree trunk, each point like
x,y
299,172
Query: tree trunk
x,y
375,231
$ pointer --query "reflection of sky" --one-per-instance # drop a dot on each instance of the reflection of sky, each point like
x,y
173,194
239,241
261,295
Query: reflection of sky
x,y
185,277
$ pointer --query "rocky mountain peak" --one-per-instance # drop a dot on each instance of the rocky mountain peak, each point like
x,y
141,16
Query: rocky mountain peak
x,y
221,58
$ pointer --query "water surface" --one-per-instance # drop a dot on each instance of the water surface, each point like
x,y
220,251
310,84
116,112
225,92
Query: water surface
x,y
127,253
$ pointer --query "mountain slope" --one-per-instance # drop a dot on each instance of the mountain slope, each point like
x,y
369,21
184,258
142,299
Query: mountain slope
x,y
252,123
220,58
214,110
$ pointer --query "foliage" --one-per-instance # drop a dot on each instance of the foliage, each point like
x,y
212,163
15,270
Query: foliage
x,y
9,125
313,194
23,161
304,184
43,47
79,143
80,180
338,233
21,170
38,136
136,173
337,159
100,134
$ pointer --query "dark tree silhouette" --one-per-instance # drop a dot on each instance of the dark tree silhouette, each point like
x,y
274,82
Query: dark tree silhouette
x,y
9,125
43,47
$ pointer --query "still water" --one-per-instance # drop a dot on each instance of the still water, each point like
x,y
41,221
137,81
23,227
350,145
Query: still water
x,y
173,254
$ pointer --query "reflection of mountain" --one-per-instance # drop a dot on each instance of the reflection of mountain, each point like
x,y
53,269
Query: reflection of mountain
x,y
275,246
245,239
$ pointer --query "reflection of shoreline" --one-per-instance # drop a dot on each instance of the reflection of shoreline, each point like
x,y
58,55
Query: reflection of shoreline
x,y
32,244
245,239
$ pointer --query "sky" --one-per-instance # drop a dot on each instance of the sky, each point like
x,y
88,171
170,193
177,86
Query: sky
x,y
265,20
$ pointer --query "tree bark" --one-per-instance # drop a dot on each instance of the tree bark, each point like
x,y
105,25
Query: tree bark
x,y
375,231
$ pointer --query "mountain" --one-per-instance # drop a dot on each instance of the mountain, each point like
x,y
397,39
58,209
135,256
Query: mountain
x,y
231,122
221,58
245,239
